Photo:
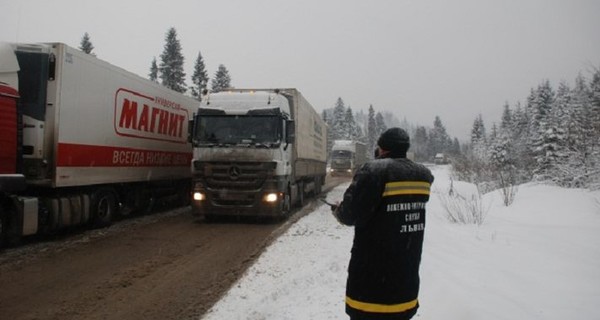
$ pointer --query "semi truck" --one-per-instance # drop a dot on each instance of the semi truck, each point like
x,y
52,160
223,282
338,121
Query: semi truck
x,y
347,156
257,152
83,141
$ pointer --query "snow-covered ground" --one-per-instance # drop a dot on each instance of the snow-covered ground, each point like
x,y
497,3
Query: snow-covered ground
x,y
536,259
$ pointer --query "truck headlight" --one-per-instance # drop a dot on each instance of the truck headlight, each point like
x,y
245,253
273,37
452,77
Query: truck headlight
x,y
199,196
270,197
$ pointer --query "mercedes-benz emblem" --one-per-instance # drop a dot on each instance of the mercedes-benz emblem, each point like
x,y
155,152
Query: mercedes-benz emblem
x,y
234,172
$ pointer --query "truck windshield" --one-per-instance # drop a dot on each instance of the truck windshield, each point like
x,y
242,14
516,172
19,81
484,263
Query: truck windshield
x,y
257,131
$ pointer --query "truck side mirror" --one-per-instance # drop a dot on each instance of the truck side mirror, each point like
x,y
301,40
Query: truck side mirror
x,y
290,131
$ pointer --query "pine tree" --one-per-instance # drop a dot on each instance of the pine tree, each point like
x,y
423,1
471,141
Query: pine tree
x,y
581,137
520,122
595,114
506,122
438,137
380,125
337,131
493,133
595,102
455,149
353,131
555,139
346,125
222,79
478,131
543,134
199,78
502,157
171,66
371,131
519,137
501,149
153,75
360,117
420,144
85,44
548,154
539,106
479,139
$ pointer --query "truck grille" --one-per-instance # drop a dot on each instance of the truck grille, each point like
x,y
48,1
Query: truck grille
x,y
234,183
341,164
236,175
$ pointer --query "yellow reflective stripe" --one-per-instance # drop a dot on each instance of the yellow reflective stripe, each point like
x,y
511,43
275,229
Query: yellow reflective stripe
x,y
381,308
406,187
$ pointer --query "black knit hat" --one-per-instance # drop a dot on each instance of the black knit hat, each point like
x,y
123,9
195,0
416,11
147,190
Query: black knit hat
x,y
395,140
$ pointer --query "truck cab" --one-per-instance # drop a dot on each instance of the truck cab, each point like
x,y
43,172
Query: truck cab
x,y
248,157
346,157
242,154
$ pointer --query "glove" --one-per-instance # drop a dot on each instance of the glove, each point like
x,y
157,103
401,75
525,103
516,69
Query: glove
x,y
335,212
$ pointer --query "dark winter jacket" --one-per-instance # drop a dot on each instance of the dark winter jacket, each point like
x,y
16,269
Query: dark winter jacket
x,y
386,204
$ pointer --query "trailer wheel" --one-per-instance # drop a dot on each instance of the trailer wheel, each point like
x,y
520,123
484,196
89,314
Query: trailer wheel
x,y
301,194
318,184
104,207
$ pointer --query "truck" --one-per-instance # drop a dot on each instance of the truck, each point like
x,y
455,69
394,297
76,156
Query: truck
x,y
257,152
347,156
83,141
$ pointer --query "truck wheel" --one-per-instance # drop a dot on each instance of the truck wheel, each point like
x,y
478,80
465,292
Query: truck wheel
x,y
318,184
301,194
103,207
286,206
184,195
9,234
3,228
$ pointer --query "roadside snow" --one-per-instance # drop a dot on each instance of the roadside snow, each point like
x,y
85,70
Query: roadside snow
x,y
537,259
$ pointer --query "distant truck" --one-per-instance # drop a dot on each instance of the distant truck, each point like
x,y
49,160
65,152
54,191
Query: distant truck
x,y
347,156
257,152
82,140
441,158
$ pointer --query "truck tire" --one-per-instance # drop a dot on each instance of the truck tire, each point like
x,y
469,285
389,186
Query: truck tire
x,y
300,194
9,234
103,207
3,228
286,206
318,185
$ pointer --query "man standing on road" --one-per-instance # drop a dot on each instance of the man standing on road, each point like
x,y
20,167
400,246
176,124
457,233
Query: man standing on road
x,y
386,205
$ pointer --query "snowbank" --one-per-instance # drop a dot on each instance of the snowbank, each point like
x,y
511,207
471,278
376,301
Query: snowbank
x,y
537,259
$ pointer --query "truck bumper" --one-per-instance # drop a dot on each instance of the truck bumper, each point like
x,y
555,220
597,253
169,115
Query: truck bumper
x,y
341,172
224,203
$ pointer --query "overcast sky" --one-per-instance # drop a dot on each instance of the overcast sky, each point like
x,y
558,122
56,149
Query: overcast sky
x,y
417,58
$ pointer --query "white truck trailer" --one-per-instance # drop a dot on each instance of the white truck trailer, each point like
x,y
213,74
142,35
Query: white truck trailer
x,y
347,156
257,152
83,140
